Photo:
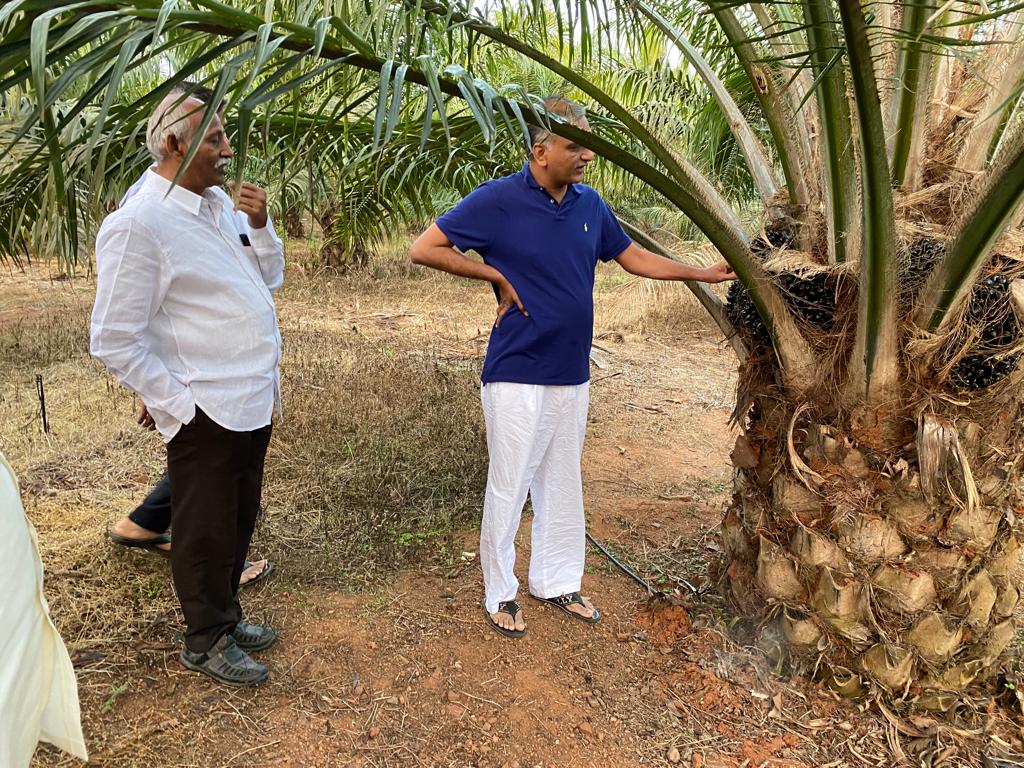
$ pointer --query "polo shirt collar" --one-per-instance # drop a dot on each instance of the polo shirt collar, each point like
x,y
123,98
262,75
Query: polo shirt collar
x,y
532,182
188,200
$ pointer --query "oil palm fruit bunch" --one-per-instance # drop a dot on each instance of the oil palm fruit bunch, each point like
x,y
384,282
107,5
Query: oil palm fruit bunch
x,y
744,317
924,253
990,309
981,371
921,256
812,298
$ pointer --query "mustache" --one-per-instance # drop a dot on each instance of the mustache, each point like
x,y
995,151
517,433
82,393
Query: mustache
x,y
222,163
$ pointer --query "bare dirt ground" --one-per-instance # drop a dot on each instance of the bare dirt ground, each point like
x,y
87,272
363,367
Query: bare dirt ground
x,y
404,671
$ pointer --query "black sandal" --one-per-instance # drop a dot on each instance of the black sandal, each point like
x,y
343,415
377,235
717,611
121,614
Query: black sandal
x,y
267,570
511,607
151,544
562,602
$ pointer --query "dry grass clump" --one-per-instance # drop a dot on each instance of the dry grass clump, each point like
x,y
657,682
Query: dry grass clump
x,y
47,338
36,332
381,453
387,261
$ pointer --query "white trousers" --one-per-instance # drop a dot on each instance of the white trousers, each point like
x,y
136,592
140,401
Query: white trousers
x,y
535,443
38,689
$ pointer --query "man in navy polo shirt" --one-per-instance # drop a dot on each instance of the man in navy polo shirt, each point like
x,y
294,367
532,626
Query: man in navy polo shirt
x,y
540,233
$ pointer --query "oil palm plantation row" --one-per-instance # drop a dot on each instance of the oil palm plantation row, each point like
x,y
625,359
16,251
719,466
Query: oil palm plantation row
x,y
877,241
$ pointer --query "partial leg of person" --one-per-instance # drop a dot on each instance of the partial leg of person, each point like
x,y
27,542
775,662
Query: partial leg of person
x,y
559,527
516,440
211,472
154,513
146,526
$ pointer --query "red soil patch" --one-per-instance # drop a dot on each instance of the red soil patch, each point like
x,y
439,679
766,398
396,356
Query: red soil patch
x,y
665,624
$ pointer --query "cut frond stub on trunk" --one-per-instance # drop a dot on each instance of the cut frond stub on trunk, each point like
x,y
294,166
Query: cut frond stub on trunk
x,y
815,550
977,599
1005,561
945,564
871,539
992,646
801,502
918,519
903,591
836,596
1007,600
889,666
934,640
975,528
800,630
956,678
943,463
845,682
777,573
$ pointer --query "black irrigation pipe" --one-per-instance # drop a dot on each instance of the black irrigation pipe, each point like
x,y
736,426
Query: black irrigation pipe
x,y
622,566
630,572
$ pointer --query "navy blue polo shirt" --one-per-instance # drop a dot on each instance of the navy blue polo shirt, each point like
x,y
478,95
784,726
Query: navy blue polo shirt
x,y
549,252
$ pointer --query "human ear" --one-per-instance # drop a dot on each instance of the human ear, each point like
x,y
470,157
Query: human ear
x,y
175,147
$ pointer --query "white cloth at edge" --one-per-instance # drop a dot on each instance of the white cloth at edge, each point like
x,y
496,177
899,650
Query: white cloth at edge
x,y
534,443
184,314
38,690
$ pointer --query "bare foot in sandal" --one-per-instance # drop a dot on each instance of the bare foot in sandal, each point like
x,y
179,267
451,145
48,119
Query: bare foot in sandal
x,y
508,619
254,570
587,610
128,529
575,604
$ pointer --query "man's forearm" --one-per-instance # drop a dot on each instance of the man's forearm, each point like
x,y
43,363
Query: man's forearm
x,y
447,259
128,287
649,264
142,372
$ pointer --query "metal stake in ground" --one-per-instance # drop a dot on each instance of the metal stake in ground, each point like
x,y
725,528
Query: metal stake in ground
x,y
42,403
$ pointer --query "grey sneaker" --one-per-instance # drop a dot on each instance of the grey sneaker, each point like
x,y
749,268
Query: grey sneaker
x,y
225,663
254,637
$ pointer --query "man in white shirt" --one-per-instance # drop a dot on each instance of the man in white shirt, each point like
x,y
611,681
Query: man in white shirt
x,y
184,317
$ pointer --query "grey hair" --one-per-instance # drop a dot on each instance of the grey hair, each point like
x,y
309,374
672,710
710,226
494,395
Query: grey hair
x,y
172,117
561,106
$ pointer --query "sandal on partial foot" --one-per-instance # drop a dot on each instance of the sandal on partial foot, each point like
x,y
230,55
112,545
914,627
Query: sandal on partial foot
x,y
268,569
151,544
562,602
511,607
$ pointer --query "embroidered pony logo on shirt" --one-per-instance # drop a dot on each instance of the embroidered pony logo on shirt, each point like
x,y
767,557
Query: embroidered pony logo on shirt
x,y
585,227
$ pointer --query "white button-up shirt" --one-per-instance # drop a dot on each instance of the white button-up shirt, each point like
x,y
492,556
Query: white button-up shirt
x,y
184,315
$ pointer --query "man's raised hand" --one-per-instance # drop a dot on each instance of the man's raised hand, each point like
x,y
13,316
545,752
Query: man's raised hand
x,y
252,201
718,273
